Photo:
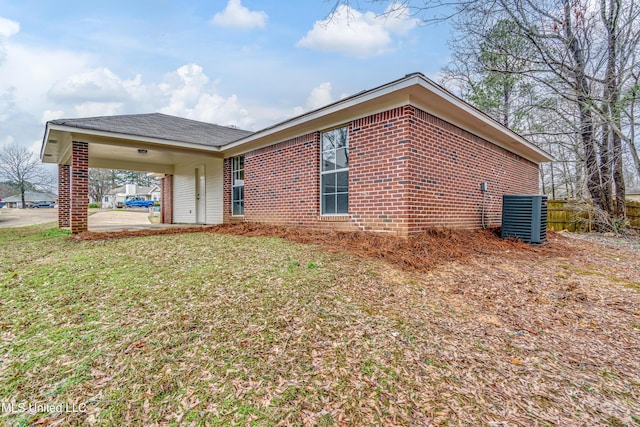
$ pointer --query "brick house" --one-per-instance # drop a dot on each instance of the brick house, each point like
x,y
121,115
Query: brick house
x,y
402,157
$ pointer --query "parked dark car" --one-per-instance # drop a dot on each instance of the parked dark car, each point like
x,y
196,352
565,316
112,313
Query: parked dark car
x,y
42,205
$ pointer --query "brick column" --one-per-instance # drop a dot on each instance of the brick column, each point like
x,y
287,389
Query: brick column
x,y
166,204
79,186
64,191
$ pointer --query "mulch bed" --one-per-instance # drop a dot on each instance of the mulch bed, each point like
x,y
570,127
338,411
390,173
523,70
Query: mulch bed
x,y
420,252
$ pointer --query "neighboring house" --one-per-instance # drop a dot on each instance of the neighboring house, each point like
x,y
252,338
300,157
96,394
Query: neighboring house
x,y
15,201
116,197
402,157
633,194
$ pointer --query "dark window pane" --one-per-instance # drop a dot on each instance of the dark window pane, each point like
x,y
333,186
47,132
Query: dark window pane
x,y
328,141
343,204
329,183
341,137
237,192
329,204
342,159
343,182
329,161
238,208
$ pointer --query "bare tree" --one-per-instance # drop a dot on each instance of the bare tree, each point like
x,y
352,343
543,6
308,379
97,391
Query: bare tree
x,y
581,53
100,183
22,169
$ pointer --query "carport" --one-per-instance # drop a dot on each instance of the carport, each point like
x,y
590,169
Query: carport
x,y
185,152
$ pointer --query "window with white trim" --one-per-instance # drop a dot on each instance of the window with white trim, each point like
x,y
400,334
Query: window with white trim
x,y
334,172
237,186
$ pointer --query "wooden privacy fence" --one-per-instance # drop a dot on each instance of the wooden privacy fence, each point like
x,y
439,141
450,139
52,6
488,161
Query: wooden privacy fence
x,y
574,215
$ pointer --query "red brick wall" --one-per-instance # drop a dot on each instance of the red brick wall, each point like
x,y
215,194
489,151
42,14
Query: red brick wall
x,y
79,186
378,171
407,171
446,169
166,199
64,200
282,185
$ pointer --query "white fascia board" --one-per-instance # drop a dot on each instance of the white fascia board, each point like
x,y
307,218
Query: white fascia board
x,y
144,139
304,121
44,141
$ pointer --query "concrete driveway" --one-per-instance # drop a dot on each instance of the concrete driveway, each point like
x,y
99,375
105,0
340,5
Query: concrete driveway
x,y
98,219
120,219
22,217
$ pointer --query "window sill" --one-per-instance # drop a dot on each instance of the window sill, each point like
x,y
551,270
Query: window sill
x,y
334,218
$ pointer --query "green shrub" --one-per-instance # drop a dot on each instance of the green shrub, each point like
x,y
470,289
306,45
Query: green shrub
x,y
93,206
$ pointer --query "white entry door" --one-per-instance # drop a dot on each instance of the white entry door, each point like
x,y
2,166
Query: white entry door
x,y
201,206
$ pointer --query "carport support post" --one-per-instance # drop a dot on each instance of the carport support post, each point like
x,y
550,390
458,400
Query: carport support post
x,y
79,186
64,189
166,199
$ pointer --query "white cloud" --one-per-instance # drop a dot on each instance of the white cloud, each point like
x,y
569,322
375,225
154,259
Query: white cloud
x,y
185,85
319,96
32,71
51,115
7,140
97,109
99,84
354,33
190,95
237,16
8,27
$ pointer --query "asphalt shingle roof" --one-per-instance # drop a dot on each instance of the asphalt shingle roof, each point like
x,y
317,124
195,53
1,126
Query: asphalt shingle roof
x,y
32,196
160,126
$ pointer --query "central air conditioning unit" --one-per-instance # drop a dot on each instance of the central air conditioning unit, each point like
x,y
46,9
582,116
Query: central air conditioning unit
x,y
524,216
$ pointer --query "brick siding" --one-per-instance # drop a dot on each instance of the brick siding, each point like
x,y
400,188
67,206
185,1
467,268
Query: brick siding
x,y
446,169
79,186
166,199
64,195
408,171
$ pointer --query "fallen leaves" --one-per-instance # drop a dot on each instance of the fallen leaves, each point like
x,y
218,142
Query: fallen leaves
x,y
457,328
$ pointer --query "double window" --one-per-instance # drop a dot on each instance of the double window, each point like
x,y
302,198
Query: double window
x,y
334,172
237,184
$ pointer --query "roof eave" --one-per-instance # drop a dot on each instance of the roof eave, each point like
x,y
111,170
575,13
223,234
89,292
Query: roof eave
x,y
97,135
132,137
391,95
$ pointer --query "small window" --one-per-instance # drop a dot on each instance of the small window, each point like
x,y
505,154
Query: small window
x,y
334,173
237,185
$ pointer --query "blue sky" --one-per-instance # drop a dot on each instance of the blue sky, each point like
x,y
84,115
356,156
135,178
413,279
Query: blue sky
x,y
231,62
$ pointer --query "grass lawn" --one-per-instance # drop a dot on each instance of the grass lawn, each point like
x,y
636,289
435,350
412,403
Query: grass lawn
x,y
213,329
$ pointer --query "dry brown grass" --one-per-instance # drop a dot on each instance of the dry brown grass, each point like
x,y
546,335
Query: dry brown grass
x,y
472,330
